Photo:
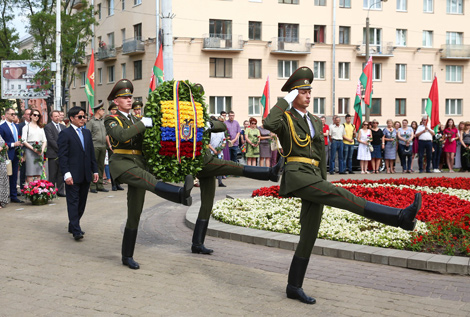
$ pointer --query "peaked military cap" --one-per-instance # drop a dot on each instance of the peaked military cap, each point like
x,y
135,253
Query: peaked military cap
x,y
112,106
123,88
300,79
99,106
137,104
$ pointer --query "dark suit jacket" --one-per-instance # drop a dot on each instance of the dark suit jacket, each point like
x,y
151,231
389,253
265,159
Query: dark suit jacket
x,y
73,158
52,135
6,134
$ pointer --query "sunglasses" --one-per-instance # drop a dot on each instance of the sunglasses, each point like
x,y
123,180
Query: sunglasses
x,y
35,115
81,117
12,114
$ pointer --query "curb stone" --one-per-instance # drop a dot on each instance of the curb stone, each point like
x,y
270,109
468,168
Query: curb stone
x,y
413,260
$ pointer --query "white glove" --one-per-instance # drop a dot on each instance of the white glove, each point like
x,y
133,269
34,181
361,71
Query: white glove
x,y
291,96
147,122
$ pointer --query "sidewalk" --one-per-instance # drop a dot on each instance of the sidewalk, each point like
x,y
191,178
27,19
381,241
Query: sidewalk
x,y
44,272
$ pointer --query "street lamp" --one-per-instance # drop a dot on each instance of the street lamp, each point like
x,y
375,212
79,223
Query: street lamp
x,y
367,45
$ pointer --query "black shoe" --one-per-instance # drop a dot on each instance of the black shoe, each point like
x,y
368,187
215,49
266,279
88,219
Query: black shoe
x,y
407,216
82,232
343,173
61,195
114,188
199,234
201,249
118,187
16,200
129,261
351,172
78,236
298,293
103,190
93,191
222,185
332,173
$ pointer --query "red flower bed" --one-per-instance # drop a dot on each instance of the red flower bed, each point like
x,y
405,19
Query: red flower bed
x,y
432,182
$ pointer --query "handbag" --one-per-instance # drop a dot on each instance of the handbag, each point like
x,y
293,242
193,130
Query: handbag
x,y
243,148
9,167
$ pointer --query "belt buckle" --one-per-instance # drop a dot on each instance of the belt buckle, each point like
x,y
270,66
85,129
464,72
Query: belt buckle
x,y
313,162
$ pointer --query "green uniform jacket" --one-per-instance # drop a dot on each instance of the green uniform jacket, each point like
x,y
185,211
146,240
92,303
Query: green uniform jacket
x,y
98,132
126,137
297,175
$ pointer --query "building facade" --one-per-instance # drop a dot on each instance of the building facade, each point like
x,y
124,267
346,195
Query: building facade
x,y
231,47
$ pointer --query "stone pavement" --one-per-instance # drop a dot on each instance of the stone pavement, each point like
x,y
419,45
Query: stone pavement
x,y
44,272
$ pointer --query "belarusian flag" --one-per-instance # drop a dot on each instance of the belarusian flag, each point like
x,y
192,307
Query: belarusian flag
x,y
90,82
265,99
358,107
366,80
432,106
157,73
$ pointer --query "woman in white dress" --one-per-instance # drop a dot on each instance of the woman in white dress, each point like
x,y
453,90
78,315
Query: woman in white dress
x,y
33,134
363,152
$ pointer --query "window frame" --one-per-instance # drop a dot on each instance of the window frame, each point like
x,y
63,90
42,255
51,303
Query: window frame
x,y
344,102
111,74
252,30
319,102
400,107
458,105
344,4
372,5
252,105
319,34
426,6
451,71
425,71
319,70
110,4
458,7
343,32
401,36
225,107
405,2
227,67
292,68
319,3
454,38
283,30
253,65
400,72
82,79
100,76
288,1
344,67
428,35
374,104
123,70
220,28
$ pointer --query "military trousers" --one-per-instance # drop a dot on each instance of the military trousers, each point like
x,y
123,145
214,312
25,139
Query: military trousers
x,y
314,197
139,181
100,155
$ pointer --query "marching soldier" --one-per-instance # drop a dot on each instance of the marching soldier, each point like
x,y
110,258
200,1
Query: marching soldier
x,y
114,184
304,176
127,166
137,108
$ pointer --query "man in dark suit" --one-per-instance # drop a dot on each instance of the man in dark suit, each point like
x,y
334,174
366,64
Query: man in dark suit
x,y
26,120
77,164
10,133
52,130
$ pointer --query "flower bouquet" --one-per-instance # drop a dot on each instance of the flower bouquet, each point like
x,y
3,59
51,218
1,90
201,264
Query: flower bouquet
x,y
4,154
39,192
369,140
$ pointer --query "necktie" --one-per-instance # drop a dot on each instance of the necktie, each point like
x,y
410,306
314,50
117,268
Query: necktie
x,y
308,125
15,133
130,119
58,127
80,135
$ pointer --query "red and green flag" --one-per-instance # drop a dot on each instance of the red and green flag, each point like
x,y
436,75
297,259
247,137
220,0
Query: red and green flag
x,y
90,82
157,72
432,106
366,81
265,99
358,107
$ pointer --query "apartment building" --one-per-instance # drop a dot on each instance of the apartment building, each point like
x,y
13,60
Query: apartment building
x,y
232,46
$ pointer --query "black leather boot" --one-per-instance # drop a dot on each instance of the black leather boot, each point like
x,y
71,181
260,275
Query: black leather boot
x,y
264,173
176,194
403,218
295,280
118,186
128,245
199,235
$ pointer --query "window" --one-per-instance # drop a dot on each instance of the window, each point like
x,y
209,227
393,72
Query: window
x,y
288,33
138,31
401,37
401,5
427,73
221,29
137,2
376,72
343,106
372,5
82,79
428,6
318,106
219,104
110,7
344,32
375,39
83,104
427,38
453,107
100,76
123,5
376,108
74,104
455,38
286,68
123,70
453,74
454,6
111,40
424,102
289,1
123,35
254,68
400,72
345,3
319,34
320,2
220,67
400,107
254,107
99,11
318,70
74,83
343,70
111,74
254,30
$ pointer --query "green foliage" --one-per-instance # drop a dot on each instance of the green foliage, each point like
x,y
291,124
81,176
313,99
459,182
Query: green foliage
x,y
163,167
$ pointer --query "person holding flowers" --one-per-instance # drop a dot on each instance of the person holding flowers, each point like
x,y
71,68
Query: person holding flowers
x,y
465,152
378,144
405,141
451,134
363,151
35,142
4,188
304,176
252,136
390,150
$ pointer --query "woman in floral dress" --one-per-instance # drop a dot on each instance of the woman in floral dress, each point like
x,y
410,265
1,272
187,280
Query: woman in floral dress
x,y
4,184
363,151
33,133
252,136
390,150
451,134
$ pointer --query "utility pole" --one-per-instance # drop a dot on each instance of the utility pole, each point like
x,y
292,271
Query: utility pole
x,y
58,73
167,17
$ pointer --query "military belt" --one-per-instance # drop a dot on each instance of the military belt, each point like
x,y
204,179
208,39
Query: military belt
x,y
303,160
133,152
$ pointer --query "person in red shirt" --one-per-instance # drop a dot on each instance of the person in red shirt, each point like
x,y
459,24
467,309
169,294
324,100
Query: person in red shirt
x,y
326,133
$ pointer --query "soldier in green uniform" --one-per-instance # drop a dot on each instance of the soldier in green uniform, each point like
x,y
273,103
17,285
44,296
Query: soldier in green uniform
x,y
137,108
127,166
112,107
98,134
114,184
304,176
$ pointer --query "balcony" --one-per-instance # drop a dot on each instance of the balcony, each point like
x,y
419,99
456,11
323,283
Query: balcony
x,y
281,45
455,51
222,43
133,46
106,54
382,50
78,4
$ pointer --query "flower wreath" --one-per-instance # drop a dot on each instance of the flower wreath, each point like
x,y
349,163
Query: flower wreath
x,y
179,116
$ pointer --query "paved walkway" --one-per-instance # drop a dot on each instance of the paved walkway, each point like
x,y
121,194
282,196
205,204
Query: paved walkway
x,y
44,272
